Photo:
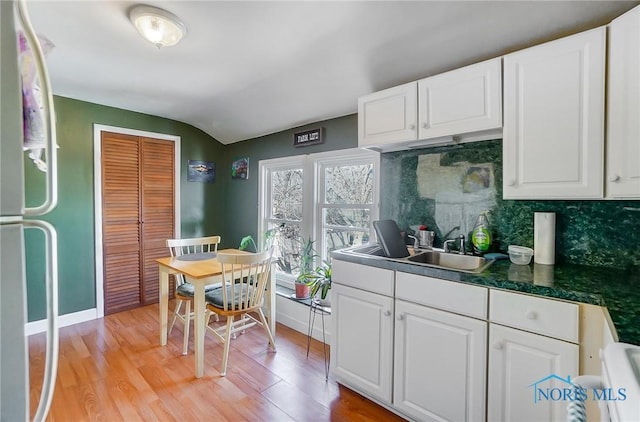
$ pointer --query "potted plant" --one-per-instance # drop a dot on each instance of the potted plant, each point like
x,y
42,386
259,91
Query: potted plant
x,y
248,240
306,261
319,282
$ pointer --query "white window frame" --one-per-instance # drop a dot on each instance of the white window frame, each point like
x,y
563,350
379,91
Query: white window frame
x,y
313,166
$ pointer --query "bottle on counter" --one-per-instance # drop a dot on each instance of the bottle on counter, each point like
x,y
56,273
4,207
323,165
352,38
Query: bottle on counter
x,y
481,235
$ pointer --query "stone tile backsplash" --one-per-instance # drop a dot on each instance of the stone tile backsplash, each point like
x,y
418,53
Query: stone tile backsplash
x,y
447,187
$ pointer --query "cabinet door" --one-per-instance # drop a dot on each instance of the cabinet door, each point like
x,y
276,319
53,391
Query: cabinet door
x,y
553,145
520,363
440,361
623,135
461,101
362,340
388,116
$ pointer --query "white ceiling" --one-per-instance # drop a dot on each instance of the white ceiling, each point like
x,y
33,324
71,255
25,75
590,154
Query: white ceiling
x,y
247,69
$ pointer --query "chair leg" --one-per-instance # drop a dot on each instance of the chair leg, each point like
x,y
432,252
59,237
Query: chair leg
x,y
227,343
187,322
266,329
176,310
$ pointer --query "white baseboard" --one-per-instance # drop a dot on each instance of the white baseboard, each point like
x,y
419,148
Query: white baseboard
x,y
296,316
35,327
288,312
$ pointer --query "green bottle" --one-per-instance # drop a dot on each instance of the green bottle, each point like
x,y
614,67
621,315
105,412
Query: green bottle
x,y
481,235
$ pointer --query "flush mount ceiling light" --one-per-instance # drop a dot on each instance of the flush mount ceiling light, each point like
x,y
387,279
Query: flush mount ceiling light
x,y
156,25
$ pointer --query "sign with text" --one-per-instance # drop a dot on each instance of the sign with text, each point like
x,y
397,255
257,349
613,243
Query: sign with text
x,y
308,137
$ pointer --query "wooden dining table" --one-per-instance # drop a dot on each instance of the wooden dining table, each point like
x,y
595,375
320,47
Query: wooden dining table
x,y
201,273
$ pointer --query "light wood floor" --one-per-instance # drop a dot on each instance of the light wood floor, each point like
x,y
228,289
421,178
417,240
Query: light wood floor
x,y
114,369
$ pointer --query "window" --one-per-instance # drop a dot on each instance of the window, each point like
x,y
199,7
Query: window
x,y
344,203
328,197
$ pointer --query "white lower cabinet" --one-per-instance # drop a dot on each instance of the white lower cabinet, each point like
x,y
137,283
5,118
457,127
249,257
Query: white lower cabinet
x,y
439,365
521,363
362,349
437,350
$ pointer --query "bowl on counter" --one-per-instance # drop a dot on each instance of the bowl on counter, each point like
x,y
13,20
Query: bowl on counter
x,y
520,255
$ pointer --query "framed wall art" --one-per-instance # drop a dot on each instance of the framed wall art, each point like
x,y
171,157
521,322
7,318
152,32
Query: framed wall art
x,y
201,171
240,168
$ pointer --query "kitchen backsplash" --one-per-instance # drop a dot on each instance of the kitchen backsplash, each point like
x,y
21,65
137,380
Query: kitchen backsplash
x,y
447,187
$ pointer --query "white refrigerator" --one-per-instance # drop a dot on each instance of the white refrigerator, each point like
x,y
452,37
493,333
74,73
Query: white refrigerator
x,y
15,218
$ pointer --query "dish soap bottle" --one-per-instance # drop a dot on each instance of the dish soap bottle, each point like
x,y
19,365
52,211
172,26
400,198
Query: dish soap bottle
x,y
481,235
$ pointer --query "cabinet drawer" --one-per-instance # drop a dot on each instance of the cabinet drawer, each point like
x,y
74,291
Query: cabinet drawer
x,y
446,295
548,317
372,279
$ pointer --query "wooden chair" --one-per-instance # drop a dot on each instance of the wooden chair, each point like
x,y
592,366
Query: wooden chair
x,y
184,290
245,279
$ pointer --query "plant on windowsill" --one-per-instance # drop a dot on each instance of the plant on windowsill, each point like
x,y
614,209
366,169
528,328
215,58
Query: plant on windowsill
x,y
306,260
319,282
268,240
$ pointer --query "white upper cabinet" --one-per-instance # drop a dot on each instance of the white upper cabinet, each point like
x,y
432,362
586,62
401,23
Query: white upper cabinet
x,y
553,145
389,116
623,133
461,101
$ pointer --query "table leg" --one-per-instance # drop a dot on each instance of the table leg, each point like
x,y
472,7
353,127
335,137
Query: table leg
x,y
199,327
271,301
164,304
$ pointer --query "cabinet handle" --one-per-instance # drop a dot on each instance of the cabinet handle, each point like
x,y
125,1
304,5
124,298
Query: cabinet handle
x,y
498,346
531,315
511,182
614,178
387,312
400,317
412,127
425,125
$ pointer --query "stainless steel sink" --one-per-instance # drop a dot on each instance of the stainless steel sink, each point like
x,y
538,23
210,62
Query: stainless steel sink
x,y
430,258
370,250
467,263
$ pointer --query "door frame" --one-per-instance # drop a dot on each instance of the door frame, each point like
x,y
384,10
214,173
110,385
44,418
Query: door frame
x,y
97,184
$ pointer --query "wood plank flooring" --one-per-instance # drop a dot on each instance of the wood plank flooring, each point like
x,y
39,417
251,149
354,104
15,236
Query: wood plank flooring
x,y
114,369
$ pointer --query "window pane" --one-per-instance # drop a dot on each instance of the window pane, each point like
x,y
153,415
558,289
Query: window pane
x,y
349,184
339,239
347,218
287,246
286,194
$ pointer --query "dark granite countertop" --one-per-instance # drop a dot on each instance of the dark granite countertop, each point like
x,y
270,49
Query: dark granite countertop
x,y
617,290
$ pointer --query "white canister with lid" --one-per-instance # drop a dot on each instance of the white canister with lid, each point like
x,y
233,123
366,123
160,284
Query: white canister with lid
x,y
544,238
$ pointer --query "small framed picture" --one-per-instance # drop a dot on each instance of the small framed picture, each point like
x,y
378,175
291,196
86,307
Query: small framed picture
x,y
201,171
240,168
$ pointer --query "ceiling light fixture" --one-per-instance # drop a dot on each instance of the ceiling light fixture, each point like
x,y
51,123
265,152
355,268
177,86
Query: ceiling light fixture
x,y
159,27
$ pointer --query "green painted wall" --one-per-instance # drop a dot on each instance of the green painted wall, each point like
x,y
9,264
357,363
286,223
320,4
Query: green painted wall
x,y
229,207
202,205
242,195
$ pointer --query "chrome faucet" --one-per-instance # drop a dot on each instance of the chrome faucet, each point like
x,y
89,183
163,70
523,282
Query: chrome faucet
x,y
462,247
416,243
446,236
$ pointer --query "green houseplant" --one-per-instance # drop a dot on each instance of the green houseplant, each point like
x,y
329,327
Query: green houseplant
x,y
306,260
248,241
318,280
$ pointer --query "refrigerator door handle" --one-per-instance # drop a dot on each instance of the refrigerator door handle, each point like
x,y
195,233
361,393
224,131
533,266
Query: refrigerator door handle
x,y
51,154
52,347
